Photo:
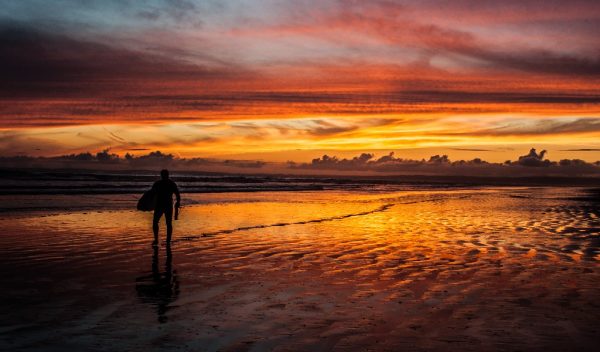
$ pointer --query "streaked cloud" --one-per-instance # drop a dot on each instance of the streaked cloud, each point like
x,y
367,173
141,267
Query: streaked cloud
x,y
196,77
540,127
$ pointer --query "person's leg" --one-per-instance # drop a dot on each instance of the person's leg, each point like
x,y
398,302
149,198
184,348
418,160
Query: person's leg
x,y
169,221
155,219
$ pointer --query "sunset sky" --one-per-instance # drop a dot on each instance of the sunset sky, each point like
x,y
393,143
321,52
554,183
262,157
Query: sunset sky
x,y
291,80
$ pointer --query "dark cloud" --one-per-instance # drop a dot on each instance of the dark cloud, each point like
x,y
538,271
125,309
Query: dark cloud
x,y
364,98
33,62
531,164
456,96
581,150
36,63
533,159
543,61
248,104
133,61
527,60
105,160
381,18
368,162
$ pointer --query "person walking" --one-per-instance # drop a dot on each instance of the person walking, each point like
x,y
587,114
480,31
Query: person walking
x,y
164,190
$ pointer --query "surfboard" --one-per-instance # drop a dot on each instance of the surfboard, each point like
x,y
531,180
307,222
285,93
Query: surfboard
x,y
148,201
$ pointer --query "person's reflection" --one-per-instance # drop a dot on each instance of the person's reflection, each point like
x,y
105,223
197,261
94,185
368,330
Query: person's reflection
x,y
159,289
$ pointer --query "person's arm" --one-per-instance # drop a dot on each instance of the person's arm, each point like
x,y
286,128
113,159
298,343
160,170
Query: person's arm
x,y
177,196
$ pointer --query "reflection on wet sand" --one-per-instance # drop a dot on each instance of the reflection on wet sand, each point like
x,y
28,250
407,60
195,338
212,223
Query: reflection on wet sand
x,y
471,270
159,289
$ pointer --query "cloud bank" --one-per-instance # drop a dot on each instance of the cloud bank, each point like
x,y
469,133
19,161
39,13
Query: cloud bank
x,y
155,160
531,164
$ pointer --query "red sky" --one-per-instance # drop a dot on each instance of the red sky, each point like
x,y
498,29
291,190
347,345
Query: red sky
x,y
280,80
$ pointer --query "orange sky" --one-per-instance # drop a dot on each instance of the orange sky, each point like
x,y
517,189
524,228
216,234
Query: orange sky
x,y
292,80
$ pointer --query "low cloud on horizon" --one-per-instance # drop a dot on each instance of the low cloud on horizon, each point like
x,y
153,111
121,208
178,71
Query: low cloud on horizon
x,y
533,163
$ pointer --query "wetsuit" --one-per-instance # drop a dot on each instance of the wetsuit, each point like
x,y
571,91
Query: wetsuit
x,y
164,190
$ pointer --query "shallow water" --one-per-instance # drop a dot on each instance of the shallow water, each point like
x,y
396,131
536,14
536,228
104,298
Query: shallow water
x,y
476,269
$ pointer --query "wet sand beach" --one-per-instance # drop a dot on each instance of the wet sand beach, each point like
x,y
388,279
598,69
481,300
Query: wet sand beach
x,y
483,269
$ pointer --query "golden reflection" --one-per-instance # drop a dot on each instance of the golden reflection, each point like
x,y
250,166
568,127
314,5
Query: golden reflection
x,y
406,259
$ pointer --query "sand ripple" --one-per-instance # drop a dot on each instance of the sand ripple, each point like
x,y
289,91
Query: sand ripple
x,y
486,269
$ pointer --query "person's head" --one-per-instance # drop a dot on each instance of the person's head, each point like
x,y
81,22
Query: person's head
x,y
164,174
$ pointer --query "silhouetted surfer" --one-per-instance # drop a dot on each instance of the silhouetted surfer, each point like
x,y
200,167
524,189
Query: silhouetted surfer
x,y
164,190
